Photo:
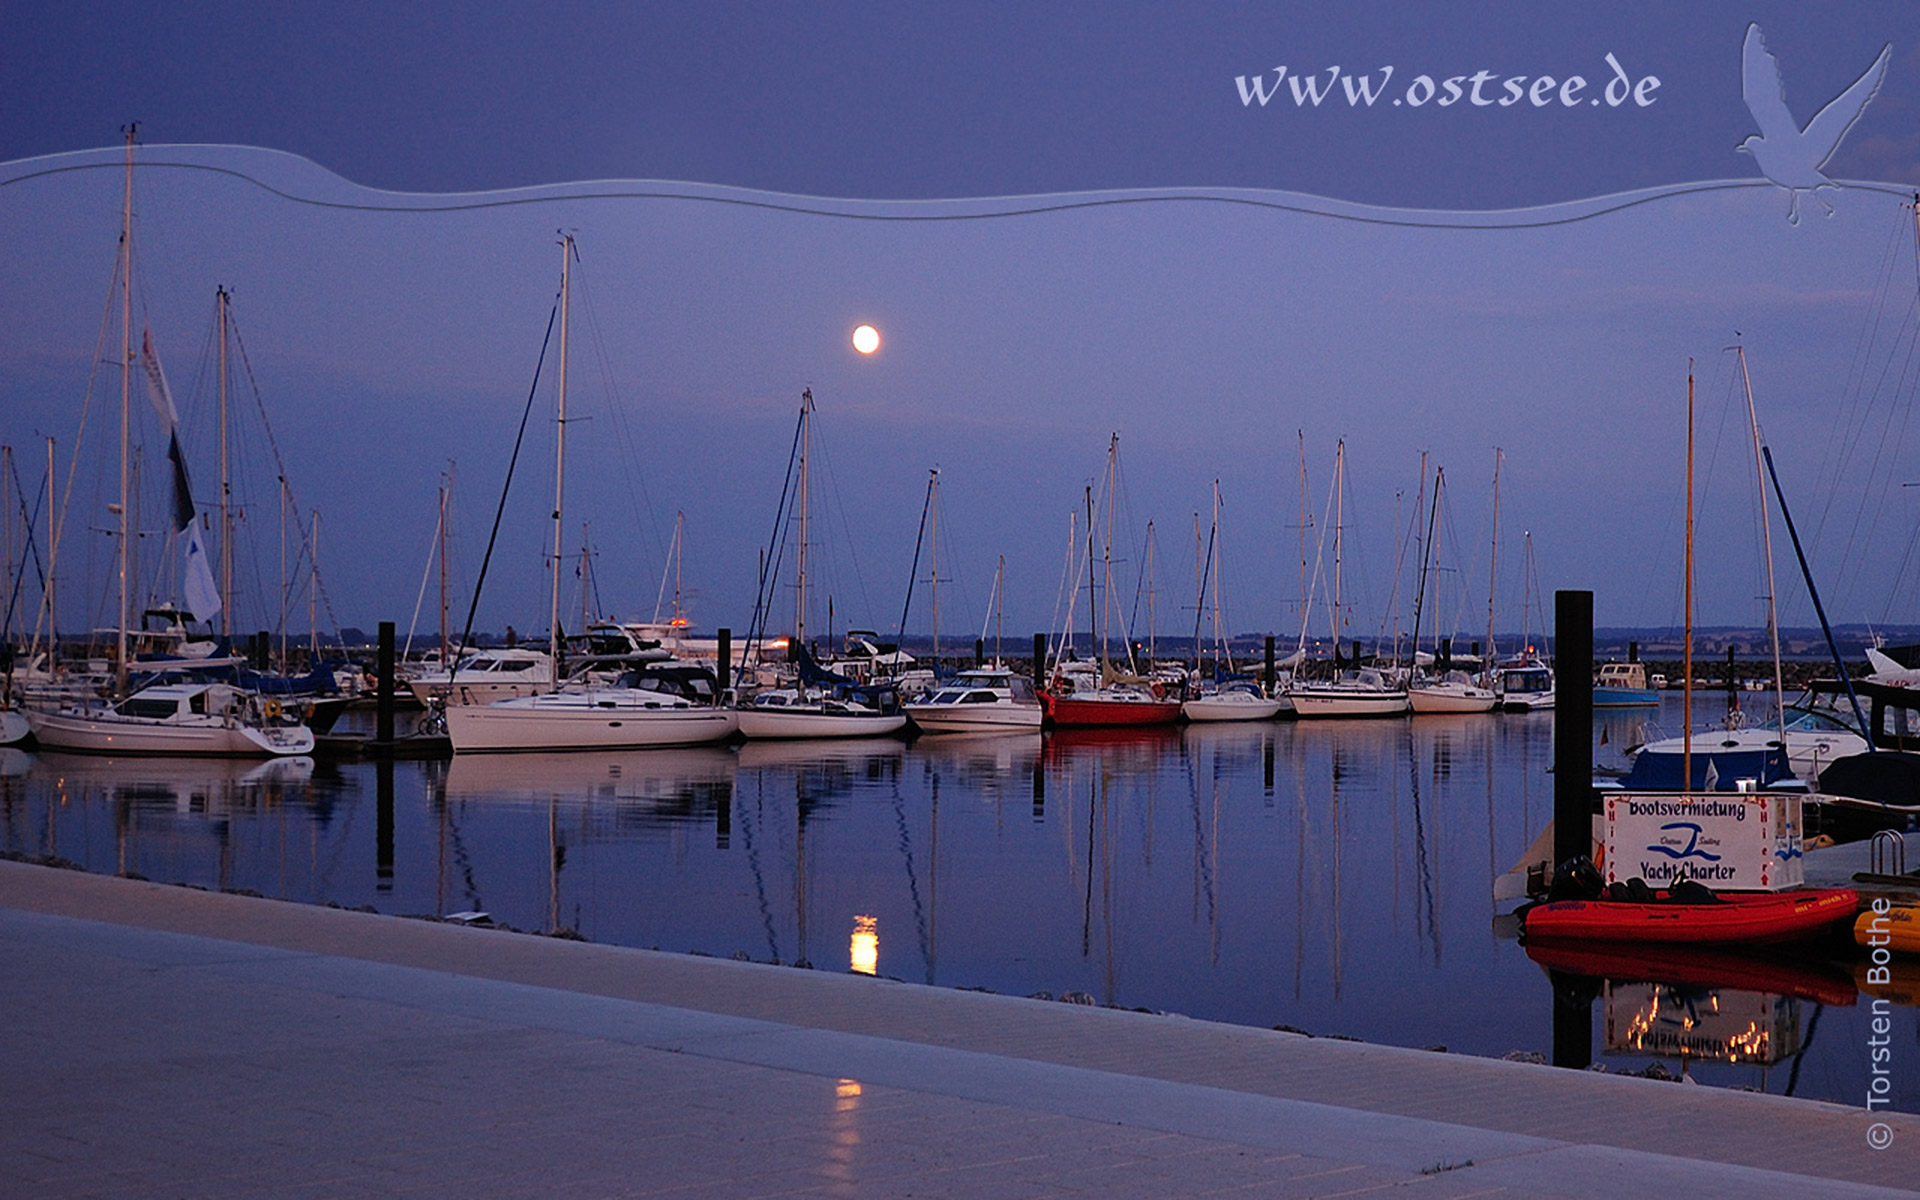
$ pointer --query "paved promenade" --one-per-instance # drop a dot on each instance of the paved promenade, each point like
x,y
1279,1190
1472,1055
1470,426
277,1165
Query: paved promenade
x,y
160,1041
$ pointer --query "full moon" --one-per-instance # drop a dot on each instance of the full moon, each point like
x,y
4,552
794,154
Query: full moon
x,y
866,339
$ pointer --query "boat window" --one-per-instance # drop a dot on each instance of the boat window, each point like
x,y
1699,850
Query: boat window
x,y
1900,722
150,708
979,698
1817,722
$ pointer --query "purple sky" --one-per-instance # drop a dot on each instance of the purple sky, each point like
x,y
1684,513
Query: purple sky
x,y
387,340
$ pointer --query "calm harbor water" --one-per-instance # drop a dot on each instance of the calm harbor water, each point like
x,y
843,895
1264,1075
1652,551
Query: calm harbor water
x,y
1334,877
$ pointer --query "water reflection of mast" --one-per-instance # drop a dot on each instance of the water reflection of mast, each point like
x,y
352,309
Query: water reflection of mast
x,y
747,831
933,887
1423,901
913,881
1339,945
1205,856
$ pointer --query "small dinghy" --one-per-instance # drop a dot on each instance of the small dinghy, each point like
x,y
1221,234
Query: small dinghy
x,y
1692,913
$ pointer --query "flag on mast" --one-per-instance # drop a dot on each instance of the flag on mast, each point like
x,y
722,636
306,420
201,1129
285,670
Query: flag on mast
x,y
202,595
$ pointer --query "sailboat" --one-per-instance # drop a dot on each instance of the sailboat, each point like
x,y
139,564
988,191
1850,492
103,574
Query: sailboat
x,y
1089,694
195,718
1525,682
1230,699
1452,691
819,703
654,704
1359,692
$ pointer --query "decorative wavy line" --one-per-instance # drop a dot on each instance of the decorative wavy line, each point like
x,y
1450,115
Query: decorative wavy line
x,y
984,208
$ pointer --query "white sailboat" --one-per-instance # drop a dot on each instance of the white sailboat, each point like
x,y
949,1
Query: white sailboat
x,y
650,706
819,703
1231,699
175,718
1451,691
1363,692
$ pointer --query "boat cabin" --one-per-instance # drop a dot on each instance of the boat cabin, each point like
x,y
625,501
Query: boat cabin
x,y
1621,675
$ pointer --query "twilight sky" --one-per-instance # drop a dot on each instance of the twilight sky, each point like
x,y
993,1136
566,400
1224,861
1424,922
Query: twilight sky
x,y
1065,223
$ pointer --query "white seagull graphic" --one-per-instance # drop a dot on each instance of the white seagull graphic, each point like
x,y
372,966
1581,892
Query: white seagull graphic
x,y
1788,155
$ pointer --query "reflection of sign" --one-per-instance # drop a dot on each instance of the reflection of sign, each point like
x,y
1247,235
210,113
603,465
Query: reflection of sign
x,y
1737,841
1701,1024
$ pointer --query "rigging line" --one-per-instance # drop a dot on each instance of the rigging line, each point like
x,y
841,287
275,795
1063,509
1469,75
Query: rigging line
x,y
57,519
616,410
426,573
1433,221
32,548
280,465
533,390
900,631
839,504
770,562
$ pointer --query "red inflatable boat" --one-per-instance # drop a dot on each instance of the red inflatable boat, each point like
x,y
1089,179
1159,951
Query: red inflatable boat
x,y
1737,918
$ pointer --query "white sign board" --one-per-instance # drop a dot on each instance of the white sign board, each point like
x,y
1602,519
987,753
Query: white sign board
x,y
1734,841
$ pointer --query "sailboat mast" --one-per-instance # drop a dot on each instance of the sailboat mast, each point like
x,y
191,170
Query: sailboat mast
x,y
933,557
1106,551
313,598
126,414
1306,599
1339,523
1686,644
679,526
800,597
559,464
1766,534
446,658
1493,562
1429,562
226,480
1093,610
1000,610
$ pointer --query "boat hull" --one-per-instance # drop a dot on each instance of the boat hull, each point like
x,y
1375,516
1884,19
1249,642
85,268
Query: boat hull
x,y
1443,700
1623,697
13,726
530,726
1313,703
462,693
765,723
1073,712
101,733
1241,707
976,718
1527,702
1746,918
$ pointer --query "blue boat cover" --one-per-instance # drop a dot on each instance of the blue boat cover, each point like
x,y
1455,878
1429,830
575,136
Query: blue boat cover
x,y
1713,770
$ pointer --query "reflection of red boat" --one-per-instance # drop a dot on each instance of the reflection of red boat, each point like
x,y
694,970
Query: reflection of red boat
x,y
1696,966
1109,708
1148,737
1749,917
